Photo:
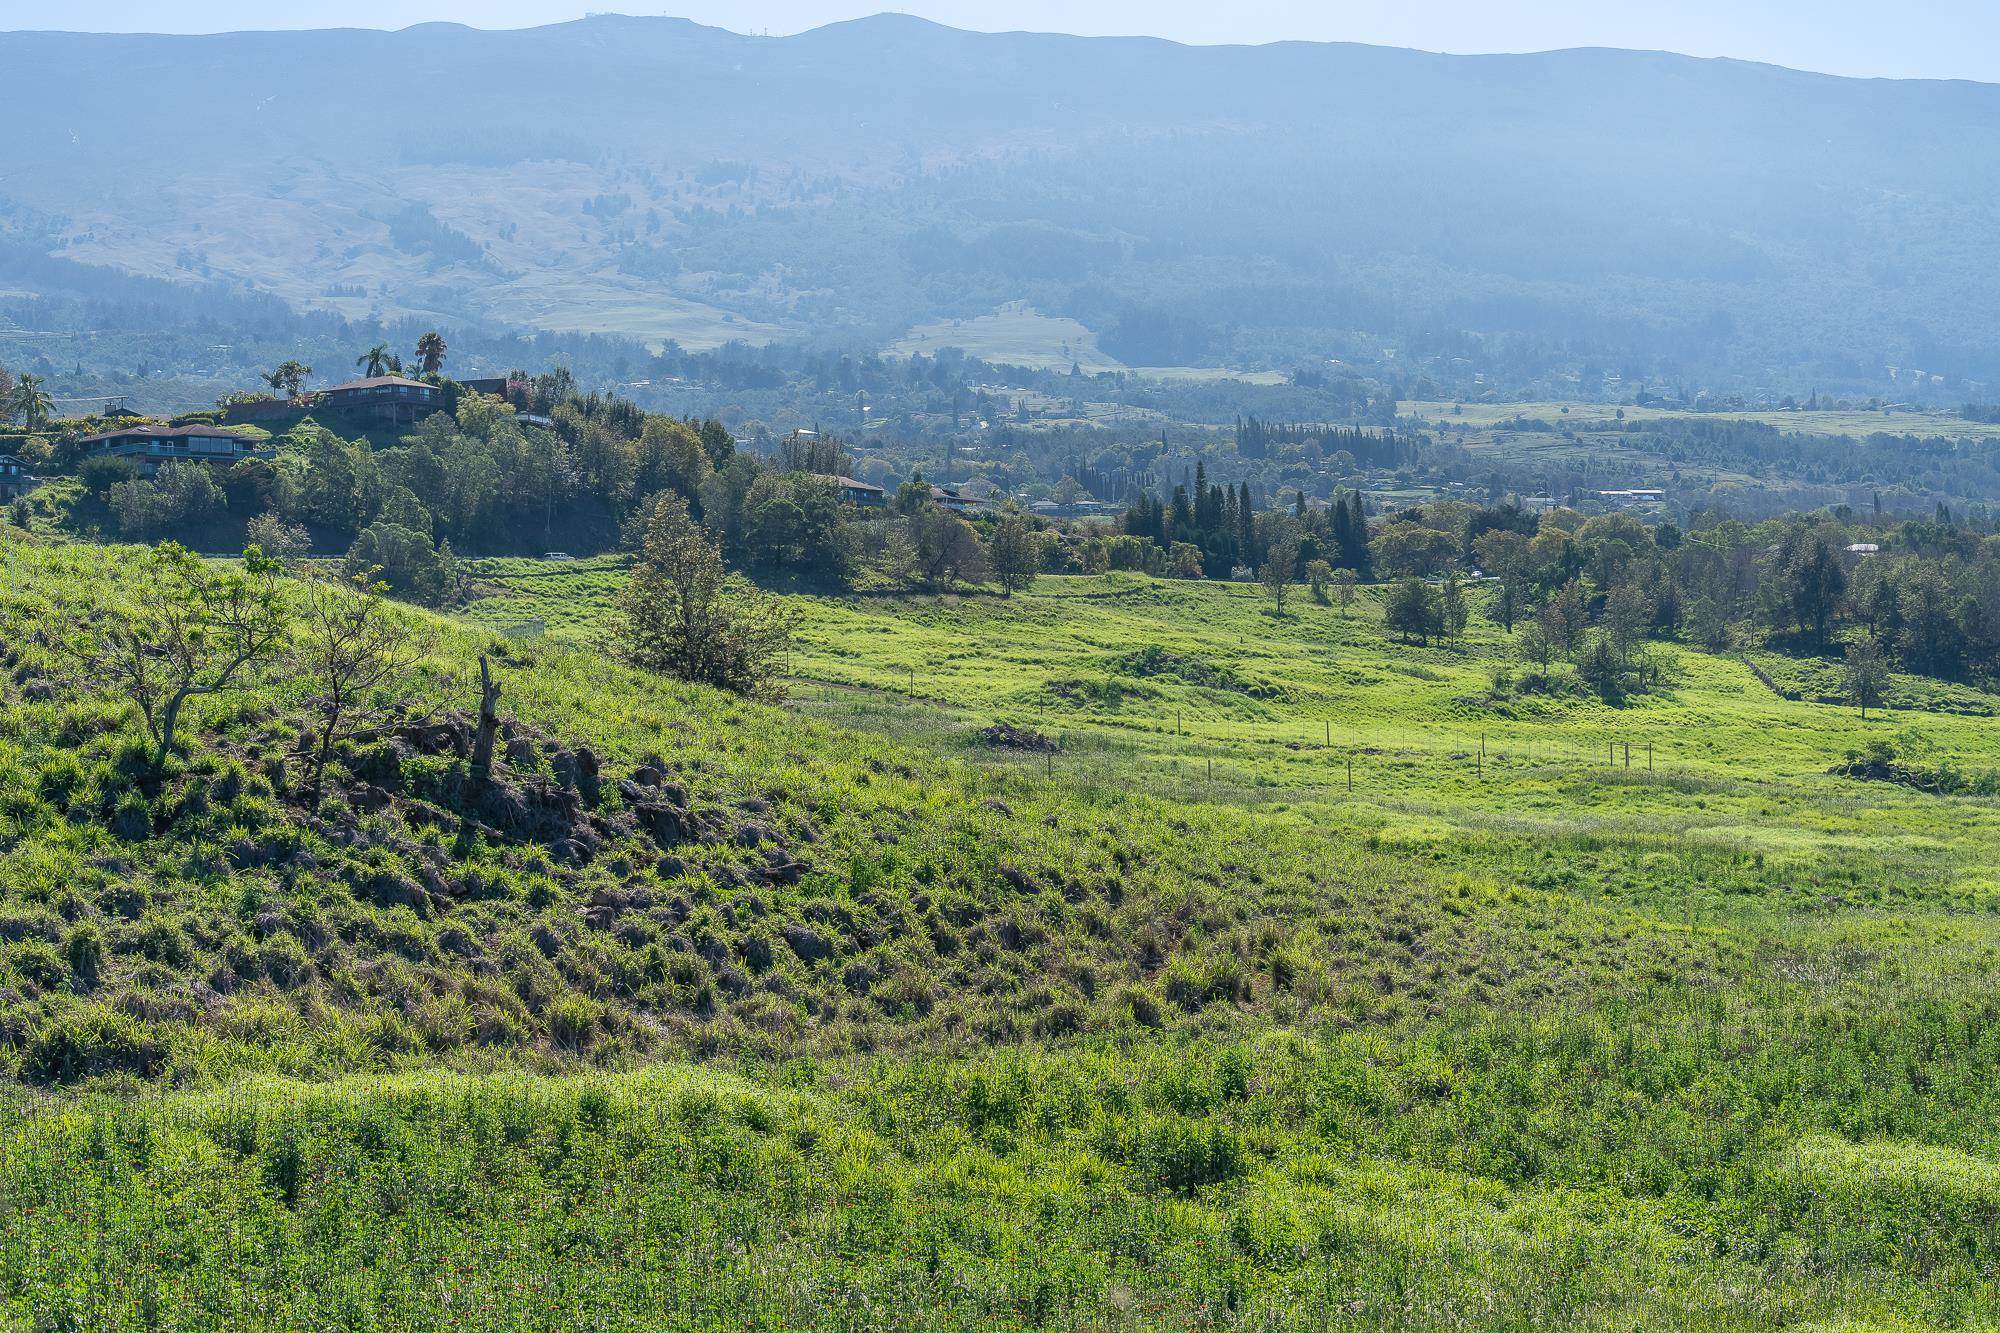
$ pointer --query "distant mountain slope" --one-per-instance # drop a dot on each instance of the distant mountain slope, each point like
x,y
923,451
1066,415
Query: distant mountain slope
x,y
1188,205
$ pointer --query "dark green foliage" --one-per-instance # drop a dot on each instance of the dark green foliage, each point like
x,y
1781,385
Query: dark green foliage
x,y
406,561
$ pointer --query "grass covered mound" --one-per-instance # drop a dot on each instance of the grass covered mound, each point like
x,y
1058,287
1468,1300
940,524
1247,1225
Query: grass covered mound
x,y
653,869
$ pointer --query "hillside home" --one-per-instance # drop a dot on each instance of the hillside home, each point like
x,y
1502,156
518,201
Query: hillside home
x,y
385,398
949,498
855,492
154,443
15,481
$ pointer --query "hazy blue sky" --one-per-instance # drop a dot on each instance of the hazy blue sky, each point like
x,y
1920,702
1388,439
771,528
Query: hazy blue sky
x,y
1929,38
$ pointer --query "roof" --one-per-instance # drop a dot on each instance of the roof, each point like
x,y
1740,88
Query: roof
x,y
155,431
848,483
383,382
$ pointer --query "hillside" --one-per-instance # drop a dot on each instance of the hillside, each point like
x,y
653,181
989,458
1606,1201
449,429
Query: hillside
x,y
658,179
866,1024
831,1014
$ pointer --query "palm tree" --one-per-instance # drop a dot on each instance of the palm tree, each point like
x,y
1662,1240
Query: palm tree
x,y
375,360
430,352
288,378
32,402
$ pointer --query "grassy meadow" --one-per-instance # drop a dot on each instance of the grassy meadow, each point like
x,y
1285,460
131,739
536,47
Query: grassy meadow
x,y
910,1031
1855,424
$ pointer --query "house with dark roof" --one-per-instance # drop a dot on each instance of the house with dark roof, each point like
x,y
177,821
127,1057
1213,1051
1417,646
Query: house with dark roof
x,y
152,443
384,397
855,492
949,499
15,480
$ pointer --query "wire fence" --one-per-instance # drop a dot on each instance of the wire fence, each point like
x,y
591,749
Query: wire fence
x,y
1321,754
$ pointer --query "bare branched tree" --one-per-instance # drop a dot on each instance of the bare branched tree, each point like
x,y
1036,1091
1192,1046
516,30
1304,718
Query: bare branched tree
x,y
353,651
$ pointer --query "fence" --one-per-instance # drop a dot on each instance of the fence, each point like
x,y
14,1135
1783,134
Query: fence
x,y
1292,756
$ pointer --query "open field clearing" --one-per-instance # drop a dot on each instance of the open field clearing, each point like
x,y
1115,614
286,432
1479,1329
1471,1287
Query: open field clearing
x,y
1584,416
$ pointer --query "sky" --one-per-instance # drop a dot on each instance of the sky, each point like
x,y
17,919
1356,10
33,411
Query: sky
x,y
1917,39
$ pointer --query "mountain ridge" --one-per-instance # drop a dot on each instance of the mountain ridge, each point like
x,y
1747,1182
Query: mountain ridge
x,y
1255,206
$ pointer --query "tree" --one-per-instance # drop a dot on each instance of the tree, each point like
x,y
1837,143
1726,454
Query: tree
x,y
289,378
1505,607
348,650
1281,561
1412,549
404,560
430,352
1811,581
1318,574
1866,677
947,547
1602,667
718,442
31,402
374,361
191,630
1563,618
1501,552
181,495
1451,608
1410,610
1536,647
681,615
1015,553
1344,581
282,541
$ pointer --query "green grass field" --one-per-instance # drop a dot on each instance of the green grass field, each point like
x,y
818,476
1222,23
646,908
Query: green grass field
x,y
1083,1039
1585,416
1198,689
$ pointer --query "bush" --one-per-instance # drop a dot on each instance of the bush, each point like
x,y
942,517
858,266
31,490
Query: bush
x,y
89,1042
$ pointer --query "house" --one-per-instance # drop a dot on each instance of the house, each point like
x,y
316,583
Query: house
x,y
950,499
385,397
855,492
492,387
1072,509
15,481
1862,548
1633,498
154,443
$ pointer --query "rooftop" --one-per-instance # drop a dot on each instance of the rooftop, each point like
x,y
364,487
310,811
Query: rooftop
x,y
382,382
849,483
154,430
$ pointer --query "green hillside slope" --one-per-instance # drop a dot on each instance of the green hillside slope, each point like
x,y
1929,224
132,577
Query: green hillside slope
x,y
852,1021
